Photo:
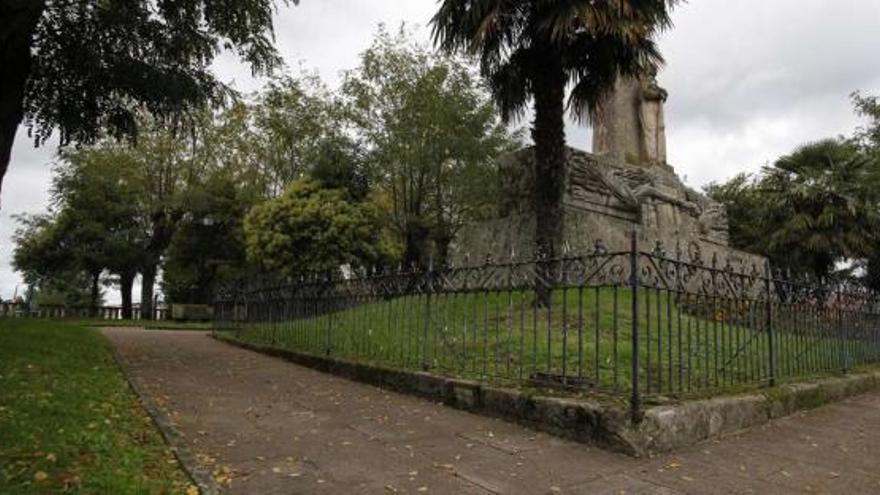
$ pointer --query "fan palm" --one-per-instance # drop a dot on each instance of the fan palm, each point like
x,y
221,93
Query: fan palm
x,y
537,50
820,206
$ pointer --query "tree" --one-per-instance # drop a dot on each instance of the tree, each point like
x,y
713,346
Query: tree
x,y
53,249
808,211
85,65
868,139
535,50
430,134
822,207
208,247
134,192
745,208
311,229
52,275
296,124
98,187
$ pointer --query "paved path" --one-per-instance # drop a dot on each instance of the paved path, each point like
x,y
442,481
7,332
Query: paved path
x,y
274,427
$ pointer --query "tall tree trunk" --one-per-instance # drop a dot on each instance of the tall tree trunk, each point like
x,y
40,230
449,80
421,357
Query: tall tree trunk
x,y
126,283
415,240
148,282
95,295
20,19
873,273
441,249
548,133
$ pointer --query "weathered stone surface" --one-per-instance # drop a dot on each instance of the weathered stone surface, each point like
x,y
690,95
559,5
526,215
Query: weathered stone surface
x,y
605,200
668,428
629,123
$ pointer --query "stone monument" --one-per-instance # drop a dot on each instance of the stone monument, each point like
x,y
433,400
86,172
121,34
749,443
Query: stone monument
x,y
626,184
629,124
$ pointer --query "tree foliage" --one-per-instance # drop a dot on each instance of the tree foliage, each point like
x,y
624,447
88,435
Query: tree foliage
x,y
808,211
430,134
312,229
208,247
868,139
82,66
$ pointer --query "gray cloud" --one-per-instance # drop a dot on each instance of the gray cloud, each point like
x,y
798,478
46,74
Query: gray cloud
x,y
748,81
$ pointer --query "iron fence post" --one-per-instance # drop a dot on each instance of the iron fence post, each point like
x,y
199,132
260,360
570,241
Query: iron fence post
x,y
329,308
428,289
771,338
635,399
841,331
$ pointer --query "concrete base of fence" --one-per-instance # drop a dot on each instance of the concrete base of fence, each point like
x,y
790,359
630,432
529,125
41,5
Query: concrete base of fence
x,y
666,428
662,429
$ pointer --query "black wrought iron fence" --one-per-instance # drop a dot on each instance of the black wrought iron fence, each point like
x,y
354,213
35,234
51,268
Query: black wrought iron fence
x,y
631,323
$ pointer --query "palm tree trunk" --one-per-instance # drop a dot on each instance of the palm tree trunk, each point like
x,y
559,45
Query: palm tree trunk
x,y
548,133
16,37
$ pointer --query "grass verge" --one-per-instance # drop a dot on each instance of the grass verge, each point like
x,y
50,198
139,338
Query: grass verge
x,y
69,421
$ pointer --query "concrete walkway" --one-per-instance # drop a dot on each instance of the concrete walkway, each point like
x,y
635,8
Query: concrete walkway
x,y
267,426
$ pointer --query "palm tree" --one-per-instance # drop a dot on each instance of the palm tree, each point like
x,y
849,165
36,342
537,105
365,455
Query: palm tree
x,y
820,206
536,50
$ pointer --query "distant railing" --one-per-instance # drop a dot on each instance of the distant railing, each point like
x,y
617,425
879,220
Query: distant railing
x,y
22,310
631,323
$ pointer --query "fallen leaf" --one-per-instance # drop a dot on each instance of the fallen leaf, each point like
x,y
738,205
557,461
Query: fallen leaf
x,y
40,476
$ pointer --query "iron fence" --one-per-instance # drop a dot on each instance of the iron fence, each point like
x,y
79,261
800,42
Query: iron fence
x,y
636,324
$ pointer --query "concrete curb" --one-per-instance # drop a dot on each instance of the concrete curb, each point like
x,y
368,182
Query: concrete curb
x,y
198,474
667,428
662,429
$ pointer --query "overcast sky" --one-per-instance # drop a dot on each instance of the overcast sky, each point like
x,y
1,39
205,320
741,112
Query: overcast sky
x,y
748,81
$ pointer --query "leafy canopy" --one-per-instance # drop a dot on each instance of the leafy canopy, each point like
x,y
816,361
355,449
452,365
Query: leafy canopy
x,y
430,135
95,63
589,42
810,209
311,229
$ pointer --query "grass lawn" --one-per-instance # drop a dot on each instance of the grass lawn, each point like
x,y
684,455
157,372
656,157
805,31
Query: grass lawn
x,y
69,421
687,344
